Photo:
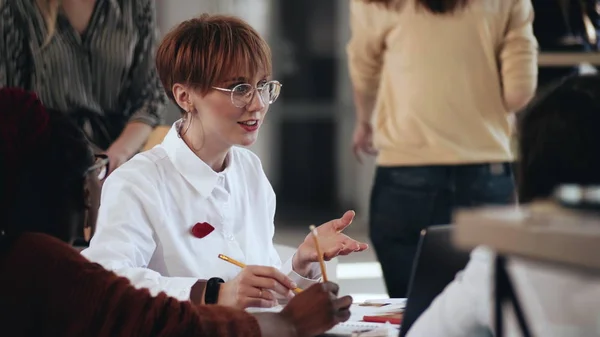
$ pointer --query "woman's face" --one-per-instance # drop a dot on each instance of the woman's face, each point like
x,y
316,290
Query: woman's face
x,y
226,121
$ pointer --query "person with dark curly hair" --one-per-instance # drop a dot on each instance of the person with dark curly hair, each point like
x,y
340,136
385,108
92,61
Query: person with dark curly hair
x,y
93,60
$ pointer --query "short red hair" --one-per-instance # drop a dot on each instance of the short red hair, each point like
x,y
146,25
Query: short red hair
x,y
210,50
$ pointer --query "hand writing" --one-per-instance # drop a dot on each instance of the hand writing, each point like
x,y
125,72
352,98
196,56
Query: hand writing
x,y
317,309
255,286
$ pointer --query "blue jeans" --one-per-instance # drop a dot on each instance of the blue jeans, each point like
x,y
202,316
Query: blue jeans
x,y
405,200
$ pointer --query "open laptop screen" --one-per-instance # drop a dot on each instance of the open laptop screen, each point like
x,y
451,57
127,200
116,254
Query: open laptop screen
x,y
436,264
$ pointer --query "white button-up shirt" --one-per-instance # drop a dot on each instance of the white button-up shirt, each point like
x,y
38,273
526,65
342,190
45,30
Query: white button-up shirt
x,y
150,204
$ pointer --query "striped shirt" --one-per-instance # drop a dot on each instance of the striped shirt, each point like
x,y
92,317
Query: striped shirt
x,y
108,70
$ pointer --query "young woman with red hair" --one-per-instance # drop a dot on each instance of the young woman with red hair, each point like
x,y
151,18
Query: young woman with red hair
x,y
168,213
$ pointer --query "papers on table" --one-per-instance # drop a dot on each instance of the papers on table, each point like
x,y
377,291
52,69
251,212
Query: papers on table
x,y
355,326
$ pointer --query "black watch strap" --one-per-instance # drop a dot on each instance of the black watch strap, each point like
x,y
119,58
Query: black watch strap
x,y
211,295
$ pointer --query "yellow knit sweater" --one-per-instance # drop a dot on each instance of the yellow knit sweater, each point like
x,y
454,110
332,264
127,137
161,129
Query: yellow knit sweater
x,y
445,84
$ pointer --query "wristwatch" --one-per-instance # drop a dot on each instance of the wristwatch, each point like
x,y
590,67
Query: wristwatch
x,y
211,295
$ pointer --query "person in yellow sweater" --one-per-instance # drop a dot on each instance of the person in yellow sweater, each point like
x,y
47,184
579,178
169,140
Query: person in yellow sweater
x,y
436,83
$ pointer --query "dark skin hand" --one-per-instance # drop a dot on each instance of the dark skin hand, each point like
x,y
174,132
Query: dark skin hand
x,y
310,313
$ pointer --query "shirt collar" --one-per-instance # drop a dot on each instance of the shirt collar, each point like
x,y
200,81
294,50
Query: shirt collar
x,y
201,176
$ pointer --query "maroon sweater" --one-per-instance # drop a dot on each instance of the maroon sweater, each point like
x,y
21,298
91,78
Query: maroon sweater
x,y
48,289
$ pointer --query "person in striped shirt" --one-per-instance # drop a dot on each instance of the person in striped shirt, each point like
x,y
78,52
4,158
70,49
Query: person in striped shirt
x,y
93,60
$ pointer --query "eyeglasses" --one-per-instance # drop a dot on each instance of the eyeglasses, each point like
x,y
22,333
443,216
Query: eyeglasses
x,y
242,94
100,166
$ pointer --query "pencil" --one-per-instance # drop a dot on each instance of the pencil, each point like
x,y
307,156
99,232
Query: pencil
x,y
241,265
232,261
319,253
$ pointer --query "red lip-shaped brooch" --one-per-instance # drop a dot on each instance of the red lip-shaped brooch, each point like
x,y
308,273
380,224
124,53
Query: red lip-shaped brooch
x,y
202,229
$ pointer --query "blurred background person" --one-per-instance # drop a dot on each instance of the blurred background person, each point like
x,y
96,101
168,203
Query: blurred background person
x,y
559,145
93,60
435,82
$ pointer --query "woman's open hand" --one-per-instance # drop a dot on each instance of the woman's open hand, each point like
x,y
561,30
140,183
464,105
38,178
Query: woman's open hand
x,y
332,242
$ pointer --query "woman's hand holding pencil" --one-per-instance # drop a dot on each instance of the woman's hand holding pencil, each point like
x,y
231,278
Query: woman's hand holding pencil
x,y
242,265
255,286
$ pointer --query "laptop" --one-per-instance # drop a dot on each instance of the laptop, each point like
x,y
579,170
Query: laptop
x,y
436,263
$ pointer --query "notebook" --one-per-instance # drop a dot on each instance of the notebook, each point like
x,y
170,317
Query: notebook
x,y
362,329
353,327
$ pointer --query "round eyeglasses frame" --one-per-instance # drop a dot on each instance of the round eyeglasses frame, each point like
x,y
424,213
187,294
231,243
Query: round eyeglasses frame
x,y
248,96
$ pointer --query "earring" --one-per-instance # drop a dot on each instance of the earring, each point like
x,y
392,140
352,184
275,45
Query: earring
x,y
184,120
187,119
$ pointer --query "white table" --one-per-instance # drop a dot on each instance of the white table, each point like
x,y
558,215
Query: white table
x,y
355,321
